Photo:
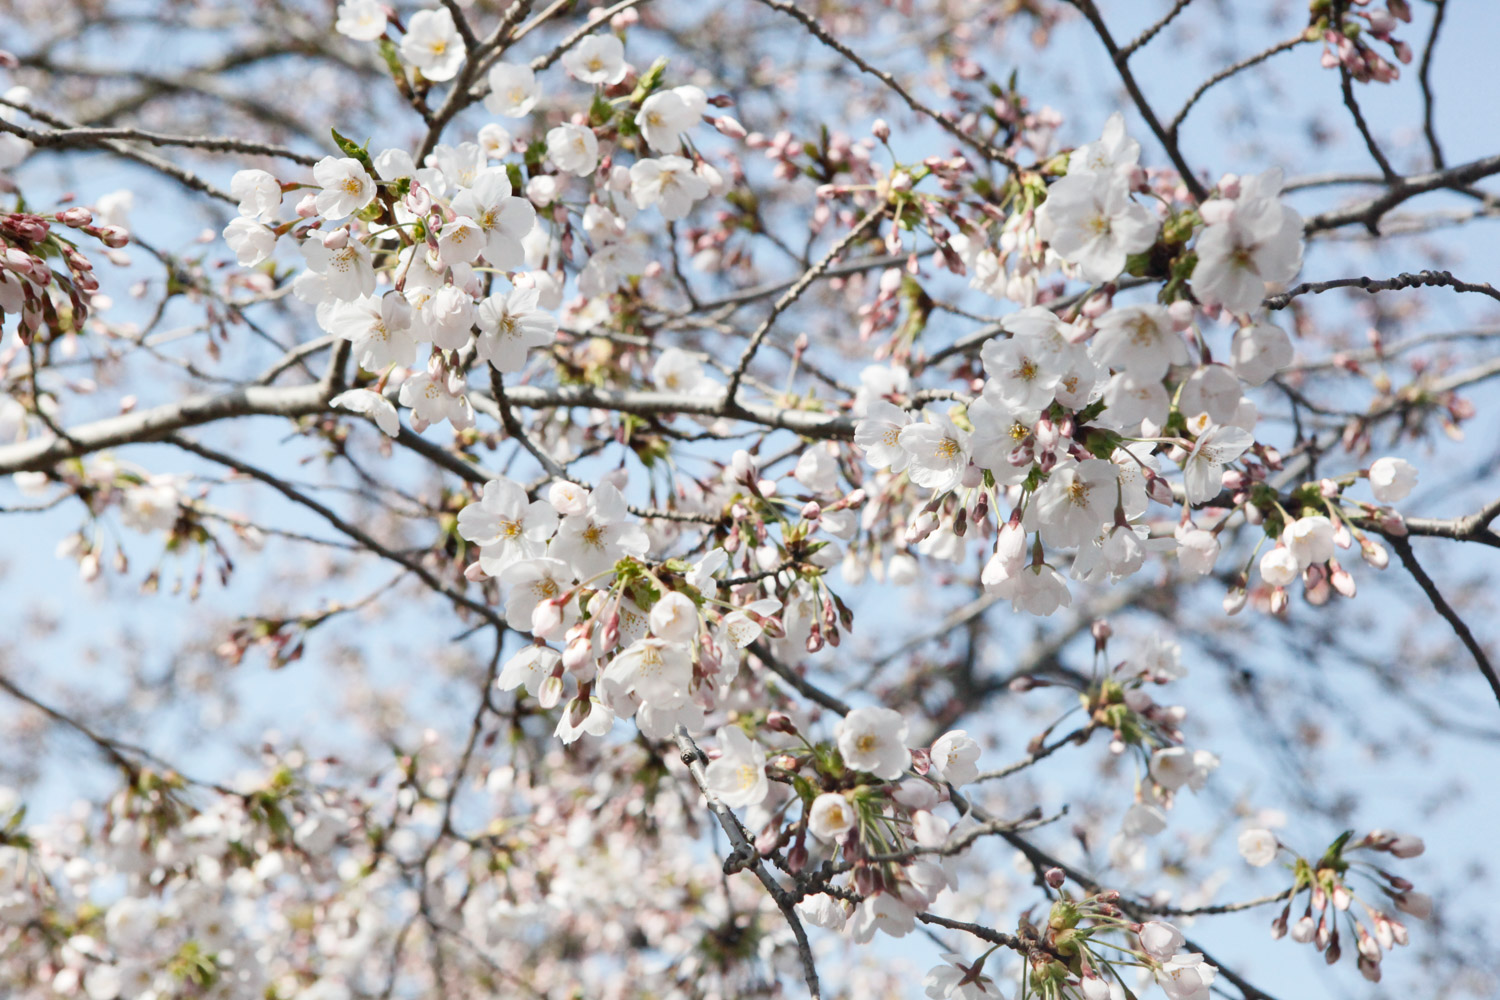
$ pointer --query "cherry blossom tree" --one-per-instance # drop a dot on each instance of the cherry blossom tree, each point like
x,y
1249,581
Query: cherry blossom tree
x,y
837,498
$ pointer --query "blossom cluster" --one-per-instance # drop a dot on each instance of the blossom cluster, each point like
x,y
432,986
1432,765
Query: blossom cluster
x,y
1061,449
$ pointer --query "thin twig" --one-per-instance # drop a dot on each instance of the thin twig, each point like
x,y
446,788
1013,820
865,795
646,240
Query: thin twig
x,y
792,295
1122,66
1152,31
1442,607
1226,73
1429,127
988,150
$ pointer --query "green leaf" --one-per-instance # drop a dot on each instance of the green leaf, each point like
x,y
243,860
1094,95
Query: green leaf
x,y
349,149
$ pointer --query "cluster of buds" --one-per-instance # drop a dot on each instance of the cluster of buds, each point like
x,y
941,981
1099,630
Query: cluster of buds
x,y
27,240
1345,43
1307,544
1331,901
1062,954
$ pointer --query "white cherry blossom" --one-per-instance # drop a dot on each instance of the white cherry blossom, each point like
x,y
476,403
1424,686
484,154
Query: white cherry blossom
x,y
594,541
667,114
433,45
504,219
1259,351
878,435
598,59
513,90
1202,470
738,776
1392,479
372,405
831,816
379,329
669,182
259,194
434,397
1258,847
1248,242
938,451
251,242
573,148
655,671
510,325
1139,340
1090,220
361,20
874,740
346,187
955,754
506,524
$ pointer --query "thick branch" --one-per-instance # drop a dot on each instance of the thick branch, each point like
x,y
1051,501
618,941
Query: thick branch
x,y
1369,213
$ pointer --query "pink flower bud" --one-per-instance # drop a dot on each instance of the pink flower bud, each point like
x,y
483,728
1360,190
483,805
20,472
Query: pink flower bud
x,y
1407,846
550,693
1055,877
578,654
780,722
546,617
729,126
77,217
1340,578
475,573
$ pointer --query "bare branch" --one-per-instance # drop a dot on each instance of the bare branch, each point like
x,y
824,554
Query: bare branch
x,y
746,856
1404,280
1429,128
792,295
1121,60
1228,72
1442,607
988,150
1152,31
1403,189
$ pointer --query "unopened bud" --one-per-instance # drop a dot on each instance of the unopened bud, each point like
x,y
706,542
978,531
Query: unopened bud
x,y
1234,600
780,722
1101,632
730,127
1055,877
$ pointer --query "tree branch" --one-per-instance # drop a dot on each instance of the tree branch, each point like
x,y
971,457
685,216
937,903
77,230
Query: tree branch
x,y
746,856
1442,607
